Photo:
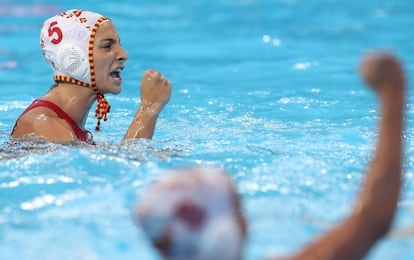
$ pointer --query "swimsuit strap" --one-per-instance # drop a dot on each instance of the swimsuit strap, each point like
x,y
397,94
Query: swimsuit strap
x,y
82,135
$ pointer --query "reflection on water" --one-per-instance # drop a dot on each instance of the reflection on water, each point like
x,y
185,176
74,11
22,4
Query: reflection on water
x,y
16,149
131,150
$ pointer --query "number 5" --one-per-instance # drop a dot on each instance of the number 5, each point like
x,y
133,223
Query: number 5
x,y
55,30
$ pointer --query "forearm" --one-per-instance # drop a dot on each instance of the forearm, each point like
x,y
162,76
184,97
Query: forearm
x,y
375,207
155,93
143,124
380,193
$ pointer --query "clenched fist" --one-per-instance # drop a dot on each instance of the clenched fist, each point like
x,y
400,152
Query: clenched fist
x,y
155,91
382,72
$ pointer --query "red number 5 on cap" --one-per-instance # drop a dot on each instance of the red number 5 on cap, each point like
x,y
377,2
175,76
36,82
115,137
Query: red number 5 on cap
x,y
54,30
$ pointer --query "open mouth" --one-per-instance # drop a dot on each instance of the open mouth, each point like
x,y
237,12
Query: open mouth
x,y
116,74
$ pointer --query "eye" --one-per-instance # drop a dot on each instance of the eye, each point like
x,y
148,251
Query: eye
x,y
107,44
107,47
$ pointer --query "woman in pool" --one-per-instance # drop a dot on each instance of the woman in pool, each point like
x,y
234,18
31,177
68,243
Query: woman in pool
x,y
85,52
200,215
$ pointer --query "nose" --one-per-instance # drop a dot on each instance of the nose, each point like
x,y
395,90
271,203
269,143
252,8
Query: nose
x,y
123,55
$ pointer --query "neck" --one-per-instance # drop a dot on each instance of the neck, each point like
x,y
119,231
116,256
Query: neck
x,y
75,100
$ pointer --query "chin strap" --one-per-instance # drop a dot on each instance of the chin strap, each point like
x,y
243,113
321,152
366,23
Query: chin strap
x,y
101,111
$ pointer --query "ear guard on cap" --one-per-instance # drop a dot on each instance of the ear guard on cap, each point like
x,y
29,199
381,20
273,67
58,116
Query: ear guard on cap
x,y
72,60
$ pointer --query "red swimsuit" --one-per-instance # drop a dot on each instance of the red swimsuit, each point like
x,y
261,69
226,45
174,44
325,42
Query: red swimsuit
x,y
82,135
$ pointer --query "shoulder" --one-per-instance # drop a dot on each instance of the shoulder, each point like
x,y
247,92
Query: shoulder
x,y
44,123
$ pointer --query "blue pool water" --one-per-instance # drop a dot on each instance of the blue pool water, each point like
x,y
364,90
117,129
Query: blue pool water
x,y
265,89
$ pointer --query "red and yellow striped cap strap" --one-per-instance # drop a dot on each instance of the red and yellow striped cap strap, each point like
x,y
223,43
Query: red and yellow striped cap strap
x,y
103,107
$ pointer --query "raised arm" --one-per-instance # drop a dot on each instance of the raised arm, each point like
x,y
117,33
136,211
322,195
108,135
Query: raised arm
x,y
155,94
374,209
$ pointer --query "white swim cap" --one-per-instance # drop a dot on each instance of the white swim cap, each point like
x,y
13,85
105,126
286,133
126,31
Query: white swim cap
x,y
191,216
67,41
